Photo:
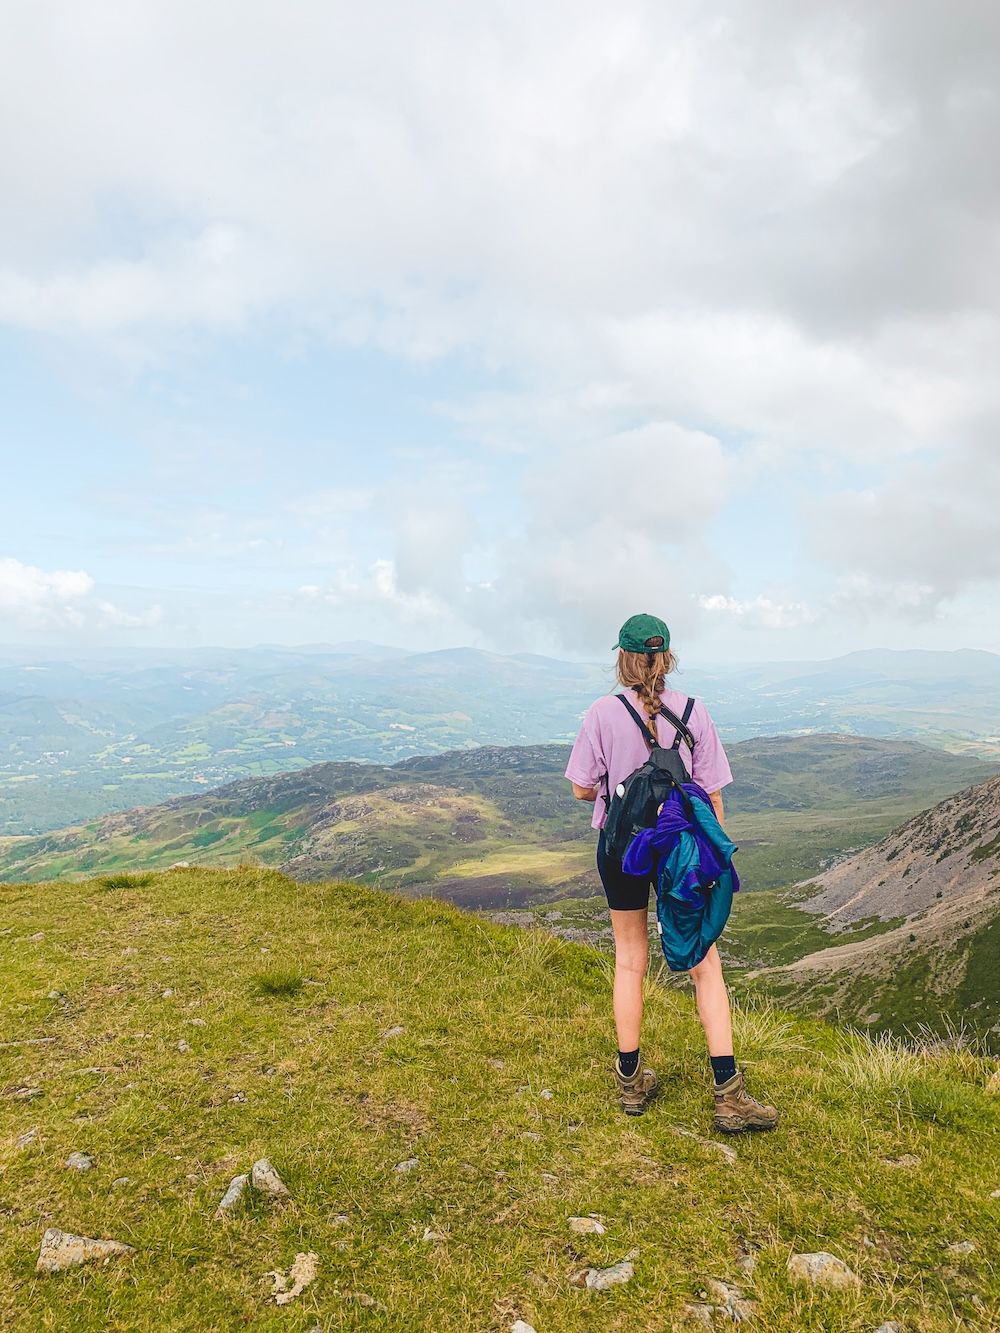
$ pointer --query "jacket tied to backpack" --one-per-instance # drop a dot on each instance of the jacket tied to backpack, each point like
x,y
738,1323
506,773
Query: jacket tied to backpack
x,y
695,875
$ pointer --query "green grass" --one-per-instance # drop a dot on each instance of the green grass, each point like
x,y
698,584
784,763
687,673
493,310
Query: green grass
x,y
324,1083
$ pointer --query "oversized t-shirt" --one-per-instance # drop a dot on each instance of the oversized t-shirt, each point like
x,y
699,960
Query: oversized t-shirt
x,y
610,744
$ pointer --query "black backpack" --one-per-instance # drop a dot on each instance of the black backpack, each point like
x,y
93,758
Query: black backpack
x,y
636,801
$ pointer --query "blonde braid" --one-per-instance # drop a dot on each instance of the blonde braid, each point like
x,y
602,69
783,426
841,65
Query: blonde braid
x,y
646,673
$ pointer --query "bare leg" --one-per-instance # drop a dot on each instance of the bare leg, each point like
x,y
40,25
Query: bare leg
x,y
631,931
713,1002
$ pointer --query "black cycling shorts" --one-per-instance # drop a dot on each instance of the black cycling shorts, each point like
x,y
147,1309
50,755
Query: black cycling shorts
x,y
625,893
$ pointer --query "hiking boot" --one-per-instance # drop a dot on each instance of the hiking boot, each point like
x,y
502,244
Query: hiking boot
x,y
736,1110
638,1091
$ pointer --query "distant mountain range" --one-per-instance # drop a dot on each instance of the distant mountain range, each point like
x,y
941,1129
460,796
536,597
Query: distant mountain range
x,y
497,826
935,880
85,736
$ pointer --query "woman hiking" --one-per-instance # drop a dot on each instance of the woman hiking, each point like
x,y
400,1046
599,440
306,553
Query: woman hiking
x,y
609,748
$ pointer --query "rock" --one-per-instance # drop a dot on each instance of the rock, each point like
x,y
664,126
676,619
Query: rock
x,y
263,1177
907,1161
121,1182
80,1161
746,1260
822,1270
601,1279
54,995
890,1326
404,1168
183,1047
430,1236
995,1194
519,1326
29,1136
24,1094
165,995
723,1149
396,1031
61,1250
530,1134
196,1022
962,1247
179,865
696,1313
547,1094
300,1275
587,1226
339,1220
730,1300
232,1196
497,1064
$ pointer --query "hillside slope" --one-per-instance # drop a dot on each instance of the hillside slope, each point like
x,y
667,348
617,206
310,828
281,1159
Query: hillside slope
x,y
497,825
938,875
178,1027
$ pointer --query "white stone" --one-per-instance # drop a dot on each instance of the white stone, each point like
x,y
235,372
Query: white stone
x,y
404,1168
396,1031
183,1047
121,1181
430,1236
600,1279
890,1326
822,1270
27,1137
587,1226
80,1161
519,1326
232,1196
547,1094
61,1250
962,1247
263,1177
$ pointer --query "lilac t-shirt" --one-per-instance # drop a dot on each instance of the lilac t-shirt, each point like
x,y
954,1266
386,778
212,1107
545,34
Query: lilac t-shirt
x,y
610,743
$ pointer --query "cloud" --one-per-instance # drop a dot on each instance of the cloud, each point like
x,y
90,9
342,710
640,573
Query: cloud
x,y
760,612
36,599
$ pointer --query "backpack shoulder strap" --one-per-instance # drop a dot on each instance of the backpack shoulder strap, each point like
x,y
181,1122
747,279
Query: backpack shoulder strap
x,y
638,721
680,724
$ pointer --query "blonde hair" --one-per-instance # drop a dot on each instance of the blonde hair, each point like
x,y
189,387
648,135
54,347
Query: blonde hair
x,y
646,673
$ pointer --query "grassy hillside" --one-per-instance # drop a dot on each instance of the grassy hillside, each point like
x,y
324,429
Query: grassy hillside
x,y
498,826
341,1032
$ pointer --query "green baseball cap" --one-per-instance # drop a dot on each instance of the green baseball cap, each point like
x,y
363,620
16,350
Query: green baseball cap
x,y
644,634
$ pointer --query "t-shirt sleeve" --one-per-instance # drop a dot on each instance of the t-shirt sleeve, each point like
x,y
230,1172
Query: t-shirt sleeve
x,y
586,764
711,767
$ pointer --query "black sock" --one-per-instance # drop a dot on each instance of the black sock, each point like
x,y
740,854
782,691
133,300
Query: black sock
x,y
723,1068
628,1062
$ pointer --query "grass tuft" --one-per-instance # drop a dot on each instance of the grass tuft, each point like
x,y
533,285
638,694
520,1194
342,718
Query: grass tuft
x,y
280,984
875,1063
126,880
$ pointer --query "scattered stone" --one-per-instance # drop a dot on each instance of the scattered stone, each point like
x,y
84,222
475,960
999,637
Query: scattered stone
x,y
822,1270
723,1149
890,1326
238,1099
530,1134
962,1247
121,1182
24,1094
301,1273
729,1300
362,1298
339,1220
519,1326
430,1236
601,1279
29,1136
232,1196
404,1168
167,993
54,995
587,1226
38,935
497,1064
868,1243
746,1260
80,1161
995,1194
907,1161
697,1313
263,1177
61,1250
196,1022
396,1031
183,1047
547,1094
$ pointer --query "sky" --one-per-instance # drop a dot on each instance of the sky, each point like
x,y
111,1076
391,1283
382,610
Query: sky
x,y
493,324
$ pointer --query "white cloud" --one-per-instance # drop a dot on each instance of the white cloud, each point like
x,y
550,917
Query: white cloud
x,y
38,599
759,612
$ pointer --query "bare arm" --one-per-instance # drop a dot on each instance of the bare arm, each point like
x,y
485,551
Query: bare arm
x,y
716,798
585,793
